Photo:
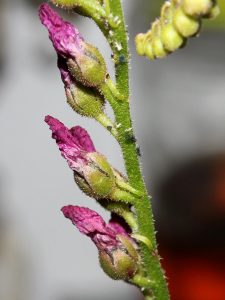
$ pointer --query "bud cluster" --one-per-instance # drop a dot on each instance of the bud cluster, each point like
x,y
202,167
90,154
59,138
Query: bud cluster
x,y
179,20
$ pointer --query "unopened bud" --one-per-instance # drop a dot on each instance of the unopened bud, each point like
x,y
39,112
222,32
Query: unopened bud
x,y
171,39
120,263
214,12
158,48
197,8
85,101
140,43
83,60
149,51
185,25
157,45
78,149
117,250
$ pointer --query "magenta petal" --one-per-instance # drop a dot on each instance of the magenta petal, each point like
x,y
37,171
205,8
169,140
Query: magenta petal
x,y
91,224
85,219
65,74
60,132
118,228
83,138
73,147
64,36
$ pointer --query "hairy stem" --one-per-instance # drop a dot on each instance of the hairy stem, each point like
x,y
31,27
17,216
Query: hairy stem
x,y
151,261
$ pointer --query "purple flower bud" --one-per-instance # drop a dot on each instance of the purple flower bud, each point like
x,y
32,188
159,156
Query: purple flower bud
x,y
84,61
65,37
91,224
78,149
117,251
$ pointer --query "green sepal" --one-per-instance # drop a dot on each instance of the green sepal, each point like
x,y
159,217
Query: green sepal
x,y
85,101
89,67
99,175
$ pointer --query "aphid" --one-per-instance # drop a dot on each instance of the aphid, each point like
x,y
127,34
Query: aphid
x,y
122,59
130,138
109,128
138,150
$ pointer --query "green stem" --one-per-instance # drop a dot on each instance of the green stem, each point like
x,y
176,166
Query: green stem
x,y
151,261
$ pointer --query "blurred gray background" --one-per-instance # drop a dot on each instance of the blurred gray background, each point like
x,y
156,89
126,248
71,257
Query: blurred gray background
x,y
178,108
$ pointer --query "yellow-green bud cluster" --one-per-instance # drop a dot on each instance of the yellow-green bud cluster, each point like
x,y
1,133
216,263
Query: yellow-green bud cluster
x,y
179,20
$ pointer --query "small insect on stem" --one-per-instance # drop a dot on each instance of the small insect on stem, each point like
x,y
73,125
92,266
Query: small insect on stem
x,y
122,59
138,150
130,138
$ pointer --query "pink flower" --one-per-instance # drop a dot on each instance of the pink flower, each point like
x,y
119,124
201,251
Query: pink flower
x,y
74,143
65,38
118,254
92,172
91,224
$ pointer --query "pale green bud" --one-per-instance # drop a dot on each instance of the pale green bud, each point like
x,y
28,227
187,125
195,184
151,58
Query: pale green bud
x,y
185,25
149,51
197,7
171,39
140,43
214,12
85,101
158,48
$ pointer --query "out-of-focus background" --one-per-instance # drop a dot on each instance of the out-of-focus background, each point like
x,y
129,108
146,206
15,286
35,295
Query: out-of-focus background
x,y
178,107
